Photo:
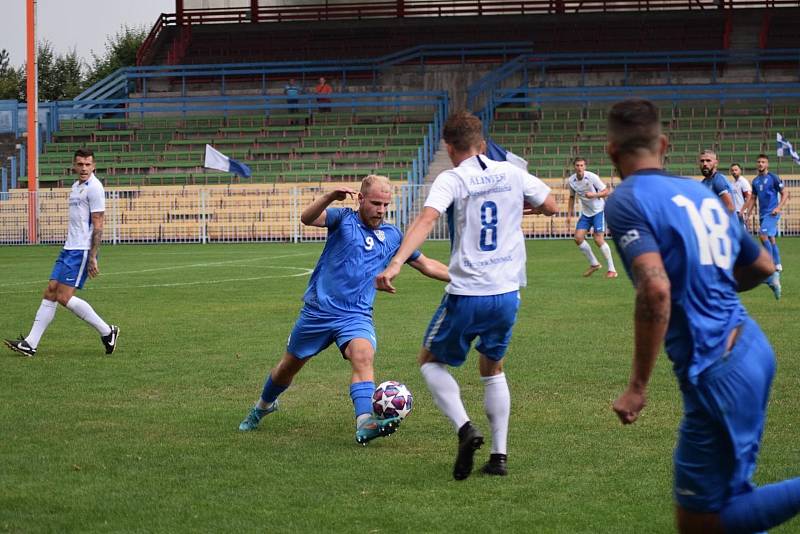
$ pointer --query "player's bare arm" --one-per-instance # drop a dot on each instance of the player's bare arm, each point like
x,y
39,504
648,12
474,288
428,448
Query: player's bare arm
x,y
570,207
651,318
415,236
727,201
750,276
98,218
315,215
547,208
782,203
431,268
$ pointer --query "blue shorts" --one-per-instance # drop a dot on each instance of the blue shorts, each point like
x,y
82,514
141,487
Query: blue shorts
x,y
724,416
71,268
315,330
596,221
769,225
461,318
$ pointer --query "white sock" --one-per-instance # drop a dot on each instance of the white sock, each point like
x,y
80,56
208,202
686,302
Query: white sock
x,y
44,315
587,251
84,310
497,403
445,391
606,250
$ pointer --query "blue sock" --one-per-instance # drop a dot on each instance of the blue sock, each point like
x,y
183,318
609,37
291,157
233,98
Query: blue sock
x,y
768,245
361,393
776,254
271,390
763,508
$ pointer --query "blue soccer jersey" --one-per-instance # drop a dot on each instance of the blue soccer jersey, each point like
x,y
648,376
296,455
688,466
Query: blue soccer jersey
x,y
344,279
718,184
767,187
700,244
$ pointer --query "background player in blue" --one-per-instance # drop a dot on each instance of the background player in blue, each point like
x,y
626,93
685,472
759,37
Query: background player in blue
x,y
715,180
772,197
77,260
687,258
338,301
484,202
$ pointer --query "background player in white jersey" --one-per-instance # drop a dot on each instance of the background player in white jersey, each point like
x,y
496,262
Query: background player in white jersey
x,y
77,260
484,203
741,190
591,191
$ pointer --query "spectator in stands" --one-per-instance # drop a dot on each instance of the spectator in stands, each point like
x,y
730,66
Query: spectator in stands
x,y
77,259
715,180
687,263
591,191
487,268
741,190
768,188
292,91
323,88
339,297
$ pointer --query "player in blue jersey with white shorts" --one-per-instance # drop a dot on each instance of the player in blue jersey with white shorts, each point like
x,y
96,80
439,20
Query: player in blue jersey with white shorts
x,y
687,257
76,262
484,202
772,196
715,180
338,301
591,191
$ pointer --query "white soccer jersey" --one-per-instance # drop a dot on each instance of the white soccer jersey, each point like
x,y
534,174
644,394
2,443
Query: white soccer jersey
x,y
590,183
740,187
483,200
84,199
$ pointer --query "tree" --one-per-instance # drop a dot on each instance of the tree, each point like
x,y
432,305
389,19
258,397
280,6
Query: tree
x,y
60,76
121,49
10,78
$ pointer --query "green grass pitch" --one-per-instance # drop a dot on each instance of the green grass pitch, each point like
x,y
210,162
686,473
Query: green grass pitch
x,y
147,440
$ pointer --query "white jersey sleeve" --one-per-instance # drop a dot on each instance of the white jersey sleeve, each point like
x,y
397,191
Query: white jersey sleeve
x,y
444,191
96,198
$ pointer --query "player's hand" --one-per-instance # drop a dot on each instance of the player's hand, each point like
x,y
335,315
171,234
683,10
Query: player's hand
x,y
530,209
341,193
384,280
628,405
776,211
93,269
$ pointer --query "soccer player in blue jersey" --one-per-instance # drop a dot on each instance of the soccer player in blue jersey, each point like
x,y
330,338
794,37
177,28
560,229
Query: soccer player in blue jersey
x,y
76,262
772,197
715,180
688,257
484,202
338,301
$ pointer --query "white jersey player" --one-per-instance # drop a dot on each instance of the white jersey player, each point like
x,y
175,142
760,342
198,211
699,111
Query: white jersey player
x,y
484,202
591,191
741,190
76,262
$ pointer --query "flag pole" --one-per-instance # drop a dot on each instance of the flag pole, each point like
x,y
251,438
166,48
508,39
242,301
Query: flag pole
x,y
32,91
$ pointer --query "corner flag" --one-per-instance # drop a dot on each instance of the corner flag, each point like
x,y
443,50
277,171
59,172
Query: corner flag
x,y
219,161
497,153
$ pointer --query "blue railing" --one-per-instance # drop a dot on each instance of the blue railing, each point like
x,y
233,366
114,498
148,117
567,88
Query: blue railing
x,y
516,74
123,80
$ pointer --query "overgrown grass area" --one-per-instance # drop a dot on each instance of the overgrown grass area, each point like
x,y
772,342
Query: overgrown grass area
x,y
146,440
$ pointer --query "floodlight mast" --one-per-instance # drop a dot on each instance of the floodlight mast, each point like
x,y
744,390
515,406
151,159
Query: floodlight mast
x,y
32,88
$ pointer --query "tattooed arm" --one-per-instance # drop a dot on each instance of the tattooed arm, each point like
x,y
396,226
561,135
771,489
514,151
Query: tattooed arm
x,y
97,236
651,317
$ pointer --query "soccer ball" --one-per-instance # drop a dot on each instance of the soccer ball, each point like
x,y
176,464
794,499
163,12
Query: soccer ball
x,y
392,399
